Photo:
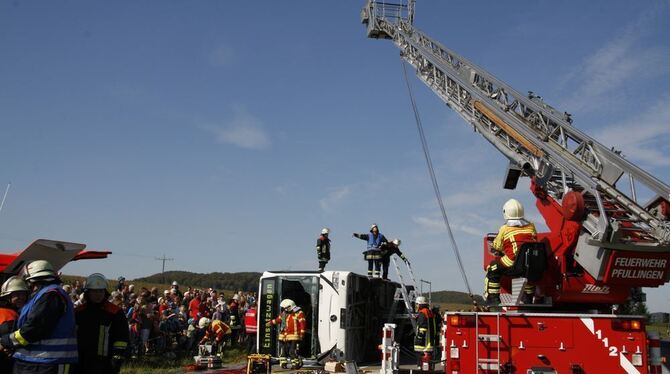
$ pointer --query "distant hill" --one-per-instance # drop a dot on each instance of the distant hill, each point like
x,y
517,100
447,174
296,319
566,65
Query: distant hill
x,y
245,281
454,297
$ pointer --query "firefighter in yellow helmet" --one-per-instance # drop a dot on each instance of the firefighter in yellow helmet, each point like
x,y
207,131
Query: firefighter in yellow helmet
x,y
511,236
102,329
13,295
46,339
292,326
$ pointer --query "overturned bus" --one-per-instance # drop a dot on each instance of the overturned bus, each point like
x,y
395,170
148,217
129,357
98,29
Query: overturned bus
x,y
344,313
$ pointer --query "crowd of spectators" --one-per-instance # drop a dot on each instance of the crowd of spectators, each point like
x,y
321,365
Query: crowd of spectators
x,y
166,321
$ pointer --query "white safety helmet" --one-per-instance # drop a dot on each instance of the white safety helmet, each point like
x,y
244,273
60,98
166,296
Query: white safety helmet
x,y
95,281
13,284
513,209
287,304
373,226
174,283
325,231
39,270
421,300
204,322
396,242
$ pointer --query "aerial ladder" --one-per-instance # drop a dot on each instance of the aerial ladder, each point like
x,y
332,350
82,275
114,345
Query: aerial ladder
x,y
604,243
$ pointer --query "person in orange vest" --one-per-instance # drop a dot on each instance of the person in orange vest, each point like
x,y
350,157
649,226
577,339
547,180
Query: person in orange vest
x,y
292,325
424,336
512,235
13,295
215,331
250,328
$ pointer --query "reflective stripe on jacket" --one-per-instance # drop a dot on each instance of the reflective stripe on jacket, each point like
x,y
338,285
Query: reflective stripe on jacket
x,y
61,346
423,339
509,240
250,320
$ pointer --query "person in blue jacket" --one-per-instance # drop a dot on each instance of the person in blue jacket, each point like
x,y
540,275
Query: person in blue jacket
x,y
373,254
46,340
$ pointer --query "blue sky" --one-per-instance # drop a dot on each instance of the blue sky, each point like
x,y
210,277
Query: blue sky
x,y
227,134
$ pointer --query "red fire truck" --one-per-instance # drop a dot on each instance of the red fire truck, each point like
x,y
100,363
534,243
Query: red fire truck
x,y
603,243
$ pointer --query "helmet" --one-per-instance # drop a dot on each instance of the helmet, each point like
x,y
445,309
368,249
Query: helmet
x,y
325,231
174,283
396,242
374,225
120,279
13,284
513,209
39,270
421,300
287,304
95,281
204,322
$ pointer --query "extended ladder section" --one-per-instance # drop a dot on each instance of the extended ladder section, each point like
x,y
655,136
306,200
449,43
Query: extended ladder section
x,y
538,139
408,292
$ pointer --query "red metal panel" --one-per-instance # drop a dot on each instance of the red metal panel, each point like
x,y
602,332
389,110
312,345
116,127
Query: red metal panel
x,y
636,269
596,344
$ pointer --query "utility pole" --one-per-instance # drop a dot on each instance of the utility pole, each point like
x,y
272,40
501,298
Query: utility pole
x,y
164,259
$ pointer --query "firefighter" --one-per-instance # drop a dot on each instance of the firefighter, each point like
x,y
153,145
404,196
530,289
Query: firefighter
x,y
373,254
425,330
13,296
102,329
215,331
292,330
46,341
250,328
389,249
512,235
323,248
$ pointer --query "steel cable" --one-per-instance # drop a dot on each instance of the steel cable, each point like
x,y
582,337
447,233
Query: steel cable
x,y
433,178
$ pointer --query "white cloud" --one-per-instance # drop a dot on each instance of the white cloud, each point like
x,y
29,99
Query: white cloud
x,y
243,130
644,137
622,60
221,55
335,196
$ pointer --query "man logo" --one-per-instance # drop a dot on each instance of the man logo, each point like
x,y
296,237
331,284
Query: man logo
x,y
590,288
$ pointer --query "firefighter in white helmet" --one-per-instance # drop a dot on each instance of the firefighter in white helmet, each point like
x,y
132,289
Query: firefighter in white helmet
x,y
45,340
373,255
13,296
511,236
102,329
389,249
292,330
323,248
424,335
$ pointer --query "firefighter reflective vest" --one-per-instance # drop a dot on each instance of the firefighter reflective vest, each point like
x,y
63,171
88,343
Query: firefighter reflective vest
x,y
423,339
509,240
250,320
61,346
217,331
291,325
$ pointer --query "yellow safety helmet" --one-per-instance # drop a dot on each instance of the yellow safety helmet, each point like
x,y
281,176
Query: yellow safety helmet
x,y
13,284
39,270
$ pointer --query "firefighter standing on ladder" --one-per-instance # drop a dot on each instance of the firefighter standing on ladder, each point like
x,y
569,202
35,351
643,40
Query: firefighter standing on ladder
x,y
292,325
515,232
389,249
425,333
373,255
102,329
323,248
